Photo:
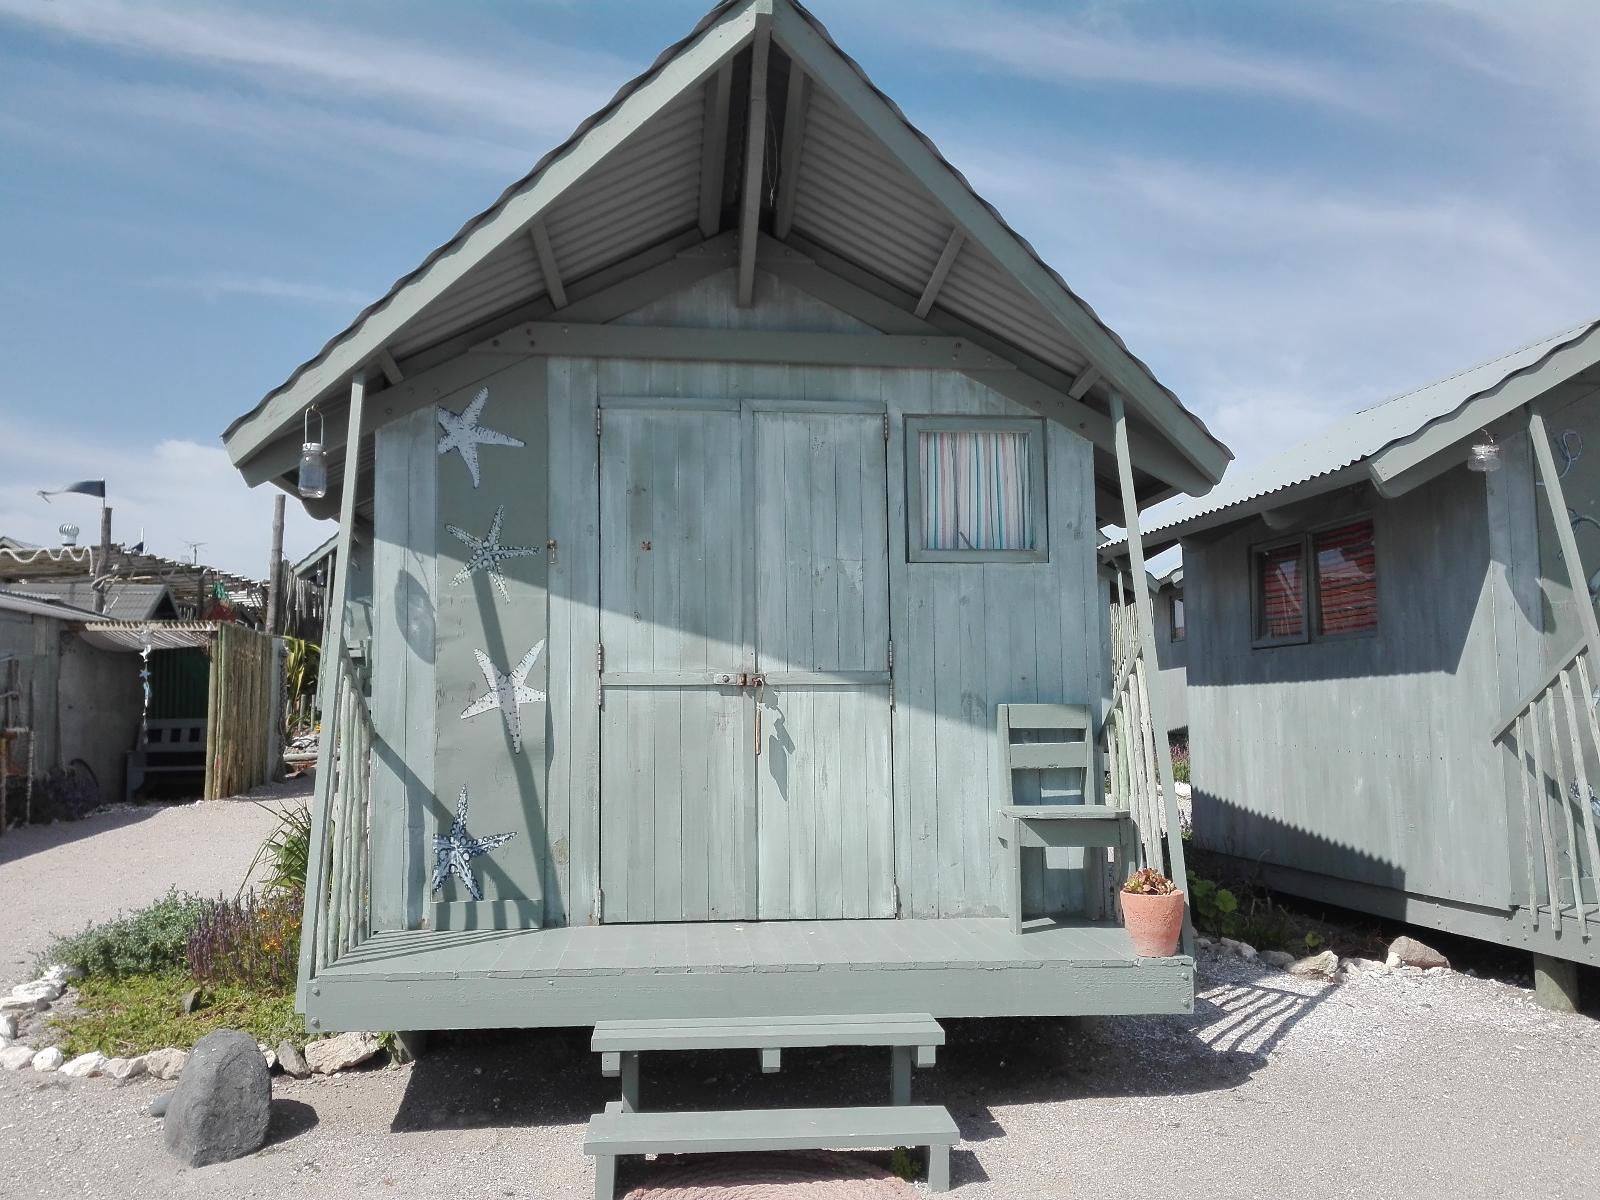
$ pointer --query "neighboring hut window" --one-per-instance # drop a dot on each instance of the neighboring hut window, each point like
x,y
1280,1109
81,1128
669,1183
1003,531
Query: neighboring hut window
x,y
1322,584
1347,579
978,489
1280,593
1177,616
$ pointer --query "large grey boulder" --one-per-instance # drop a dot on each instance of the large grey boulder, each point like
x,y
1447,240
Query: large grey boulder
x,y
1412,953
223,1102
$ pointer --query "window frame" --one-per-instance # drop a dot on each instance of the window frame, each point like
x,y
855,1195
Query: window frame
x,y
1038,486
1177,631
1306,541
1260,641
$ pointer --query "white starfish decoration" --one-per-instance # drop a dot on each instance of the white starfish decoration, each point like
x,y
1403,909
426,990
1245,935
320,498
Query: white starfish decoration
x,y
488,553
462,432
508,693
453,852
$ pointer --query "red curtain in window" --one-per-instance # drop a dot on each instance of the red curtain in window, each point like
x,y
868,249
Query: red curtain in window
x,y
1347,579
1280,574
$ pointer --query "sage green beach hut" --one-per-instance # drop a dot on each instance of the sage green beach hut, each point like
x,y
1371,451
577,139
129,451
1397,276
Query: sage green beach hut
x,y
717,580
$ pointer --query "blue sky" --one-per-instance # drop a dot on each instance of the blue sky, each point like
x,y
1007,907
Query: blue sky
x,y
1289,211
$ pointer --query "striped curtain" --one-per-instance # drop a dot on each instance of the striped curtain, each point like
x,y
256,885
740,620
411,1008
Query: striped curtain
x,y
976,494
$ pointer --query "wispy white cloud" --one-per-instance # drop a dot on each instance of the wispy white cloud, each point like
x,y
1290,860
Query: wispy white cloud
x,y
264,287
175,489
322,59
1096,44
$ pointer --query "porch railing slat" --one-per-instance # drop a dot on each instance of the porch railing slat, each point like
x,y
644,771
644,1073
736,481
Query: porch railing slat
x,y
1523,760
1558,773
1585,801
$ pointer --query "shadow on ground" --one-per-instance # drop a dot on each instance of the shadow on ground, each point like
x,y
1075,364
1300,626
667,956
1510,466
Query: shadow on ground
x,y
507,1078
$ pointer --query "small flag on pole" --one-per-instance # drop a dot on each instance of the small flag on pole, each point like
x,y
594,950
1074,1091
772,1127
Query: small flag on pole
x,y
84,487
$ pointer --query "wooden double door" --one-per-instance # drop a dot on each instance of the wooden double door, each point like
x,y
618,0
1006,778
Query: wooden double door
x,y
745,675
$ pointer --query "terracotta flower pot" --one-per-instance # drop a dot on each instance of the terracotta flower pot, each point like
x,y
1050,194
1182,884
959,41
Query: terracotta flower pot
x,y
1154,923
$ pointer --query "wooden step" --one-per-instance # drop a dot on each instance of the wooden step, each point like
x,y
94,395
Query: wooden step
x,y
762,1033
614,1132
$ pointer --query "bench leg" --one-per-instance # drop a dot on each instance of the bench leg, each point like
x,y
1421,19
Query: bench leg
x,y
630,1081
900,1075
938,1168
605,1177
1016,877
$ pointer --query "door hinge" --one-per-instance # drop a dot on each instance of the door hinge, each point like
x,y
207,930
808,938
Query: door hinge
x,y
599,906
898,911
886,427
597,422
891,674
599,670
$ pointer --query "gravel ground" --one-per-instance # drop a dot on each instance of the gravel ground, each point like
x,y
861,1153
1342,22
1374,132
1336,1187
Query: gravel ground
x,y
1391,1086
58,878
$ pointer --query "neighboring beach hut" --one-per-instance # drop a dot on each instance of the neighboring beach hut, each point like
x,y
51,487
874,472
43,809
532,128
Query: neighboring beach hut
x,y
1392,643
714,491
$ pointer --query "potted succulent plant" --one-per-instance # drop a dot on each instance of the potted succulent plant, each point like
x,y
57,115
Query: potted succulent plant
x,y
1152,913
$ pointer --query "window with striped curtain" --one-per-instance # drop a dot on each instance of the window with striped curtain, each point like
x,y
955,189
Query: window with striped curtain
x,y
976,490
1347,579
1280,580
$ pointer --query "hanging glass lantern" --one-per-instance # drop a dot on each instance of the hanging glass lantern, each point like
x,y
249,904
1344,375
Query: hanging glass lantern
x,y
1483,456
313,480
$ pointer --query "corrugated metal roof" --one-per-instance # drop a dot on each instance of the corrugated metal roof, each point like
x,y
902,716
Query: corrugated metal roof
x,y
1360,436
124,601
33,606
853,197
158,635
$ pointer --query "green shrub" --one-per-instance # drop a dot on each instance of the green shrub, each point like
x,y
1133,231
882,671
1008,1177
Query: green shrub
x,y
1180,762
146,941
132,1015
286,852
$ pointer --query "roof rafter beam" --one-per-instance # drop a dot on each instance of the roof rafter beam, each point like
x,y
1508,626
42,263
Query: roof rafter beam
x,y
794,132
390,368
947,259
547,263
714,149
1086,379
755,152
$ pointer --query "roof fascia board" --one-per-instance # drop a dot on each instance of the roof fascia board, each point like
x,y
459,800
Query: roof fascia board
x,y
688,70
1158,539
829,70
879,303
755,153
679,263
1521,387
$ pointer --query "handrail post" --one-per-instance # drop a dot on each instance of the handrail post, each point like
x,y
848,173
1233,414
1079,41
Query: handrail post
x,y
1147,647
1556,496
332,670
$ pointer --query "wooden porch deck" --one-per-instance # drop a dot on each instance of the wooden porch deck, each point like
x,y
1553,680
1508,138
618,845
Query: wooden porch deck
x,y
577,976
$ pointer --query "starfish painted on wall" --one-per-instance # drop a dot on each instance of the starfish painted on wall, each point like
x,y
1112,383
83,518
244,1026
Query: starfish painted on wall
x,y
462,432
488,553
508,693
453,852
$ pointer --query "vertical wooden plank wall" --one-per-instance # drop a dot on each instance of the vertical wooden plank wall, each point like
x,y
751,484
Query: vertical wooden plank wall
x,y
405,528
966,637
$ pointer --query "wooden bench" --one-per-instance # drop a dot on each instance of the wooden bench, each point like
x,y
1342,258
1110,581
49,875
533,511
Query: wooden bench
x,y
911,1037
615,1132
167,747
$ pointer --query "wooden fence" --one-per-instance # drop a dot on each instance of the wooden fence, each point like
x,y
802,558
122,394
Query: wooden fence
x,y
241,711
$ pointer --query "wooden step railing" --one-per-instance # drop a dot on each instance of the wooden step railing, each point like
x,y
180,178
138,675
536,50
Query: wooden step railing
x,y
338,880
1555,737
1131,761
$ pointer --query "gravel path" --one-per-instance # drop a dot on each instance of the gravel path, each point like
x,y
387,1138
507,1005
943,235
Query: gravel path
x,y
1391,1086
58,878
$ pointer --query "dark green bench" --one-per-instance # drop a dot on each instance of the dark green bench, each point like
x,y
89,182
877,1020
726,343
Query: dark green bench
x,y
615,1132
910,1037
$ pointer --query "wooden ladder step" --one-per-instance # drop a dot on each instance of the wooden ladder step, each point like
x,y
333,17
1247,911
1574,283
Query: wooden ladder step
x,y
764,1033
614,1132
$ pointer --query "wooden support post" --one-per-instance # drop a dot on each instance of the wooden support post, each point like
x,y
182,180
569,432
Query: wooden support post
x,y
771,1061
755,149
275,565
410,1045
630,1080
547,265
1555,983
939,1168
328,675
900,1075
105,558
1147,644
1562,522
605,1177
